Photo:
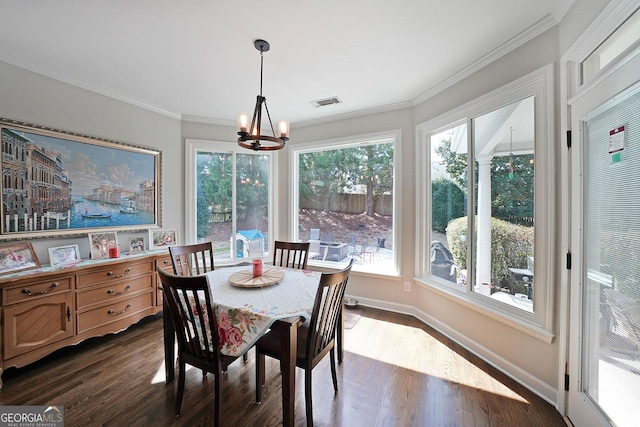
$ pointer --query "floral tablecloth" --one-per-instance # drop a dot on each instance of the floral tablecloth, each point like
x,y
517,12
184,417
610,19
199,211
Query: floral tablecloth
x,y
244,314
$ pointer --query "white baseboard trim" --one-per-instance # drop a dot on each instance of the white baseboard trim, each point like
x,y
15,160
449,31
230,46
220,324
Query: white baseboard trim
x,y
542,389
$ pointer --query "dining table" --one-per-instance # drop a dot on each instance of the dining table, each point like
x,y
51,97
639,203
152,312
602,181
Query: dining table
x,y
246,308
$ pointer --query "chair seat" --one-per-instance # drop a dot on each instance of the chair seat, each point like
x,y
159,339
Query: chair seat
x,y
197,362
269,344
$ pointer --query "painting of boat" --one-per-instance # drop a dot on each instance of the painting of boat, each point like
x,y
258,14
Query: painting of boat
x,y
96,216
59,216
128,206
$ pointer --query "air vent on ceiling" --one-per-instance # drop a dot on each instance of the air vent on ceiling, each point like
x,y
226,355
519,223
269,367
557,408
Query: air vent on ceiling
x,y
327,101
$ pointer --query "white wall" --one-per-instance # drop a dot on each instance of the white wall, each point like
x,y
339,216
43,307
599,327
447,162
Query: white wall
x,y
39,100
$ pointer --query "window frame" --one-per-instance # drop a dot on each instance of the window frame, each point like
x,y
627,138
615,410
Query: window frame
x,y
394,136
192,147
539,83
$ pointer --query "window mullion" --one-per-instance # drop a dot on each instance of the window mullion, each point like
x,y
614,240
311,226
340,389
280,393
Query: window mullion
x,y
471,204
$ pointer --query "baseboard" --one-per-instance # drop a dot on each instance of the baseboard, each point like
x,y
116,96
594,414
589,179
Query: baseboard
x,y
542,389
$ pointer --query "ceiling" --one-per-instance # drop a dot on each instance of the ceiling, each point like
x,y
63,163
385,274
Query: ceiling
x,y
195,59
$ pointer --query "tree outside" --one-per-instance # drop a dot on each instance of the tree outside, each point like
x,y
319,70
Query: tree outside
x,y
341,191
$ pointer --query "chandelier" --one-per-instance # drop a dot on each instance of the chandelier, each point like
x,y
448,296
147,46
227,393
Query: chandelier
x,y
254,139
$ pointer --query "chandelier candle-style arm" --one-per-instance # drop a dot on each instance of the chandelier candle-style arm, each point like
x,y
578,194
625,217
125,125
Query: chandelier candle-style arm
x,y
251,137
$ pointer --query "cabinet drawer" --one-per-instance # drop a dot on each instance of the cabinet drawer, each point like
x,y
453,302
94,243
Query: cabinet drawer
x,y
30,291
114,291
32,325
113,312
112,273
165,264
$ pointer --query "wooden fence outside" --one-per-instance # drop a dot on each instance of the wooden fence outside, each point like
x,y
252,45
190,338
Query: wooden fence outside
x,y
345,203
350,203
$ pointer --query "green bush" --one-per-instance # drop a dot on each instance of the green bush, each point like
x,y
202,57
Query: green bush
x,y
457,241
447,201
511,244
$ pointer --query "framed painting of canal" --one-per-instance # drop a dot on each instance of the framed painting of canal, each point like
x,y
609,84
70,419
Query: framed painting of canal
x,y
57,183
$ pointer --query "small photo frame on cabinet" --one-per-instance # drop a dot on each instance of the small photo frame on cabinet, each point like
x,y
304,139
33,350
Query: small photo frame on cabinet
x,y
100,243
64,255
160,238
16,257
136,244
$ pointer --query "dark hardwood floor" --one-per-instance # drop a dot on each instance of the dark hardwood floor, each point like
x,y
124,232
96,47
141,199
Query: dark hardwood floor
x,y
396,372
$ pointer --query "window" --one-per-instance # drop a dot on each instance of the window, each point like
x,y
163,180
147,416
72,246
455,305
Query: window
x,y
503,231
621,41
477,216
228,199
448,201
344,202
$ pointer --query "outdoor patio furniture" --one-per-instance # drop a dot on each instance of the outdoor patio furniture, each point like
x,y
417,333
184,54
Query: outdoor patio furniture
x,y
316,251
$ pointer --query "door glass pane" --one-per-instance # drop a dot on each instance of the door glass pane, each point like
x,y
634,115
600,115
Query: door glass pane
x,y
214,186
252,205
611,299
448,240
503,147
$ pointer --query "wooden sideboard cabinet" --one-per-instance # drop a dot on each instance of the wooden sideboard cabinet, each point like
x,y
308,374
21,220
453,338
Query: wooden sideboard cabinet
x,y
48,308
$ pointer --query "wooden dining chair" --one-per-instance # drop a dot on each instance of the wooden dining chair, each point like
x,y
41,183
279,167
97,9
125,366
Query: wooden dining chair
x,y
291,254
316,337
192,260
192,311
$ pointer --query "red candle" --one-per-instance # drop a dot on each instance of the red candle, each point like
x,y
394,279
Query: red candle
x,y
114,252
257,267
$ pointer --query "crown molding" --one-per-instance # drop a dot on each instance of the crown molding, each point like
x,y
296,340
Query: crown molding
x,y
561,9
207,120
525,36
311,122
353,114
21,63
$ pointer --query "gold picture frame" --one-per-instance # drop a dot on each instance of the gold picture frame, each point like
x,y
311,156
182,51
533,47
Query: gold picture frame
x,y
102,184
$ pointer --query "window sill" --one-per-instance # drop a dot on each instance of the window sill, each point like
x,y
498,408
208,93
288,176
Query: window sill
x,y
487,307
357,269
